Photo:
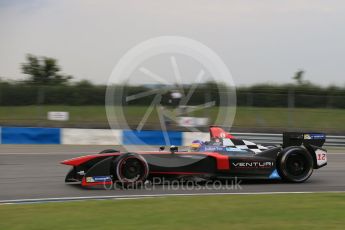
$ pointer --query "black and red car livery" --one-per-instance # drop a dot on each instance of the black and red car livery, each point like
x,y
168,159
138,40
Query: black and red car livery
x,y
223,156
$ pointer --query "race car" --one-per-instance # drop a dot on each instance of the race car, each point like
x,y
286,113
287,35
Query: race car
x,y
222,157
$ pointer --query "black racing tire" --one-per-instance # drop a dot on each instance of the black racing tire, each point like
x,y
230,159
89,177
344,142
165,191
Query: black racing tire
x,y
295,164
109,151
131,169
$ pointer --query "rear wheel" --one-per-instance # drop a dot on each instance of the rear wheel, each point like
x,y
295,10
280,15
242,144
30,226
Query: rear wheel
x,y
131,169
295,164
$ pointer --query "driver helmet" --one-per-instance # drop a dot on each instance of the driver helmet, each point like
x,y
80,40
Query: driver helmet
x,y
196,144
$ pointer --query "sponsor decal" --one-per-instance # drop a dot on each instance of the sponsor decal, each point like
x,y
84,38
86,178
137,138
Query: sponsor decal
x,y
318,136
253,164
307,137
315,136
274,175
102,178
98,179
221,148
230,149
214,148
89,180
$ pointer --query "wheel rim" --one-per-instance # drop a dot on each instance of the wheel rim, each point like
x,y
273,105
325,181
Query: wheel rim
x,y
132,169
297,165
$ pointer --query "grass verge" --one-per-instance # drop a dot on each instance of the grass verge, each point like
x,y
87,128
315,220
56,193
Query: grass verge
x,y
283,211
247,118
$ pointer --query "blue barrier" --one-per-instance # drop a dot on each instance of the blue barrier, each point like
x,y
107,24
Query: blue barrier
x,y
130,137
21,135
18,135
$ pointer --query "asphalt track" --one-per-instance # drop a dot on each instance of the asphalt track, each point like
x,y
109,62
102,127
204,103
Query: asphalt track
x,y
34,172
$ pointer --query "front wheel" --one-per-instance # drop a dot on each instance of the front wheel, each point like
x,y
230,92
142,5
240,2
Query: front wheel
x,y
295,164
131,169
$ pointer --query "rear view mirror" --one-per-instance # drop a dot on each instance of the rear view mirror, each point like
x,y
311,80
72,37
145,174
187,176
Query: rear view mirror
x,y
173,148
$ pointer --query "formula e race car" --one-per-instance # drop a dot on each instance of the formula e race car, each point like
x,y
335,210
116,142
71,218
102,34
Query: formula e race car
x,y
222,157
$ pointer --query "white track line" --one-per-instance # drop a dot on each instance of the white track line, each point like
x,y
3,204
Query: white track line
x,y
122,197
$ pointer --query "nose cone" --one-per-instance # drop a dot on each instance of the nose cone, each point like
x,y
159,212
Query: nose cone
x,y
78,160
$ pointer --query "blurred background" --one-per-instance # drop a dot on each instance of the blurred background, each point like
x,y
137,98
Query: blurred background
x,y
286,60
260,108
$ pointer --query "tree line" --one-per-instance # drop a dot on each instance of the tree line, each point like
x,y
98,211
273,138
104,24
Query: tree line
x,y
45,85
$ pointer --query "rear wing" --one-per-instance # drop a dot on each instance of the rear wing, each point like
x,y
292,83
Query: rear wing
x,y
297,139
